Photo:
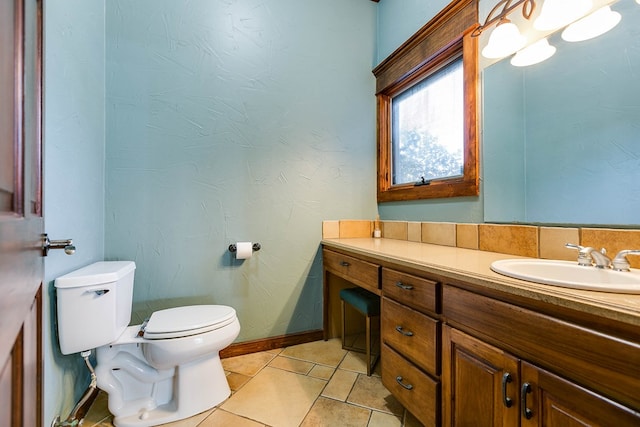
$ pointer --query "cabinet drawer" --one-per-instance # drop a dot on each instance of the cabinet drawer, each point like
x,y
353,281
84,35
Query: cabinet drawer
x,y
416,292
416,391
413,334
361,273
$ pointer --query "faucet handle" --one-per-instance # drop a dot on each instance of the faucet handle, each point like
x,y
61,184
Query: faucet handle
x,y
620,262
583,253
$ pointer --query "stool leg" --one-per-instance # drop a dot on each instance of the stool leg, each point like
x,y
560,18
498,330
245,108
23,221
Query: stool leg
x,y
368,341
343,322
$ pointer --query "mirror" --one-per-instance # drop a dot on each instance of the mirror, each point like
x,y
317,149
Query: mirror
x,y
561,139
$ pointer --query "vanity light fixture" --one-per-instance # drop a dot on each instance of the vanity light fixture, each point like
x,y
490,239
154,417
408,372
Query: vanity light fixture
x,y
534,53
504,40
592,25
559,13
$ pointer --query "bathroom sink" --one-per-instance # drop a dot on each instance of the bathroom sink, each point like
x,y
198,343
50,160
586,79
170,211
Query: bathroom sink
x,y
570,275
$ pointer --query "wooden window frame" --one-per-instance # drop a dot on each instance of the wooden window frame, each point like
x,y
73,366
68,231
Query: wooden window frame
x,y
443,39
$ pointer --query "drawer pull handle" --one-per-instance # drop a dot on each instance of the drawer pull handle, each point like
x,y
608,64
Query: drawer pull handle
x,y
344,263
526,412
399,380
506,378
403,286
403,332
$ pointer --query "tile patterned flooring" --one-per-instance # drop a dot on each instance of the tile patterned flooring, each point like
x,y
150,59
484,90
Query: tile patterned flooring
x,y
307,385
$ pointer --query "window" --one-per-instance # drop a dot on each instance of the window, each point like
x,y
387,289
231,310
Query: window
x,y
427,125
426,128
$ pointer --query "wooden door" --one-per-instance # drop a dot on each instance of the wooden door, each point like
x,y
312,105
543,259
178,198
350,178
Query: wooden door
x,y
21,220
479,383
551,401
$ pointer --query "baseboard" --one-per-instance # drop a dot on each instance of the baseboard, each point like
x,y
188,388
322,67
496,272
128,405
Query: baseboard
x,y
238,349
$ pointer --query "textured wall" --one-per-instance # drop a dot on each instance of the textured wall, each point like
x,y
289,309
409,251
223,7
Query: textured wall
x,y
397,21
400,19
74,135
231,121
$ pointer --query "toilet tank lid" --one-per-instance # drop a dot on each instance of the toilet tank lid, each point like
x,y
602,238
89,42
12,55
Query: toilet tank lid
x,y
96,274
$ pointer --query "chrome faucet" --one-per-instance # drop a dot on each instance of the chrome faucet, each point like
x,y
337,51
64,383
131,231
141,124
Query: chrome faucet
x,y
587,255
620,262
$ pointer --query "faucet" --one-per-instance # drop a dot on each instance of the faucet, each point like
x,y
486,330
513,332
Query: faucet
x,y
587,254
620,262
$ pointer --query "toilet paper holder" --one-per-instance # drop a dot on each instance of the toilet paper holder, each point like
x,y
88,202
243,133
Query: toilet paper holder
x,y
255,247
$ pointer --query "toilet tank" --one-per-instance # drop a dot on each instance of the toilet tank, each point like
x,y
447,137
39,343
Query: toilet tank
x,y
94,305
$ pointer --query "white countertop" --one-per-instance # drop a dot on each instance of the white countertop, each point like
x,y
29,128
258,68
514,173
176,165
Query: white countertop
x,y
473,266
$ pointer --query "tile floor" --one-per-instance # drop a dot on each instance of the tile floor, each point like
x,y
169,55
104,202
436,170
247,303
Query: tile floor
x,y
308,385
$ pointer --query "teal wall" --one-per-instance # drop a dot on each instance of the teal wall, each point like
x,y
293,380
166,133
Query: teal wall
x,y
237,121
74,135
400,19
397,21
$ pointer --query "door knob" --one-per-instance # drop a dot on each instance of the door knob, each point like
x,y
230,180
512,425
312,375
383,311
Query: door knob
x,y
47,244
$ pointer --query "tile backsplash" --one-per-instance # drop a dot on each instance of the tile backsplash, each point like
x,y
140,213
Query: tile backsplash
x,y
525,240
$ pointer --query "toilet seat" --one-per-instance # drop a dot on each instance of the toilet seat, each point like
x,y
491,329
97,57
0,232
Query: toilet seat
x,y
186,321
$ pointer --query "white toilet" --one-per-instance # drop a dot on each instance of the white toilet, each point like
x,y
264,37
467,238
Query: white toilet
x,y
164,370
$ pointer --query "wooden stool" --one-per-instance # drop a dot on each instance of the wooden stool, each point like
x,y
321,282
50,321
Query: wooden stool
x,y
368,304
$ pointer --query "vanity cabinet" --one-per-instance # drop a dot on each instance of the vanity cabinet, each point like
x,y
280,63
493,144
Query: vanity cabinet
x,y
461,351
411,337
486,386
516,367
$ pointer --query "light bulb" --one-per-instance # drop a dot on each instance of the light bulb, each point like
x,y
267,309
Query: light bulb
x,y
505,40
559,13
592,25
533,54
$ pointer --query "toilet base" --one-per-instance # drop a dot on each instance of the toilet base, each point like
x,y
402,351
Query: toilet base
x,y
202,384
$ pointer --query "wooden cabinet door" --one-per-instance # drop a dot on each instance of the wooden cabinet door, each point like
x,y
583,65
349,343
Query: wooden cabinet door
x,y
550,401
479,383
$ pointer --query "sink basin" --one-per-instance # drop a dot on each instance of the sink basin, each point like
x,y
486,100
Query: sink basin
x,y
570,275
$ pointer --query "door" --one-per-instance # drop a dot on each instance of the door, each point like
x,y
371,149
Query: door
x,y
551,401
21,220
479,382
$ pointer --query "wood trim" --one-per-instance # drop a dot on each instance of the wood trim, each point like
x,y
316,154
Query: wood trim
x,y
468,184
247,347
434,37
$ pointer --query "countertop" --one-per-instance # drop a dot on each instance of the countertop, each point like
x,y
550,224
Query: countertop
x,y
473,266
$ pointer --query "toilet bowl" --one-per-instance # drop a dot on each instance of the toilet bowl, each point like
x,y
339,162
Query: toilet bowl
x,y
164,370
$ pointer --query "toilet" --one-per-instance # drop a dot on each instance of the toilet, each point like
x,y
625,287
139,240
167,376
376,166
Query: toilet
x,y
164,370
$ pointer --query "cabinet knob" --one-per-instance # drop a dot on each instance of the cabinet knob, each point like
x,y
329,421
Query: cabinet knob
x,y
344,263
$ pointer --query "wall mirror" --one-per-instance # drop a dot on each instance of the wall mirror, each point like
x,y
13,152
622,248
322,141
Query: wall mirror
x,y
561,139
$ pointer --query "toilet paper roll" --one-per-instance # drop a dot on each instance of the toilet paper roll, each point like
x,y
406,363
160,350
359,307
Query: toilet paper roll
x,y
244,250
